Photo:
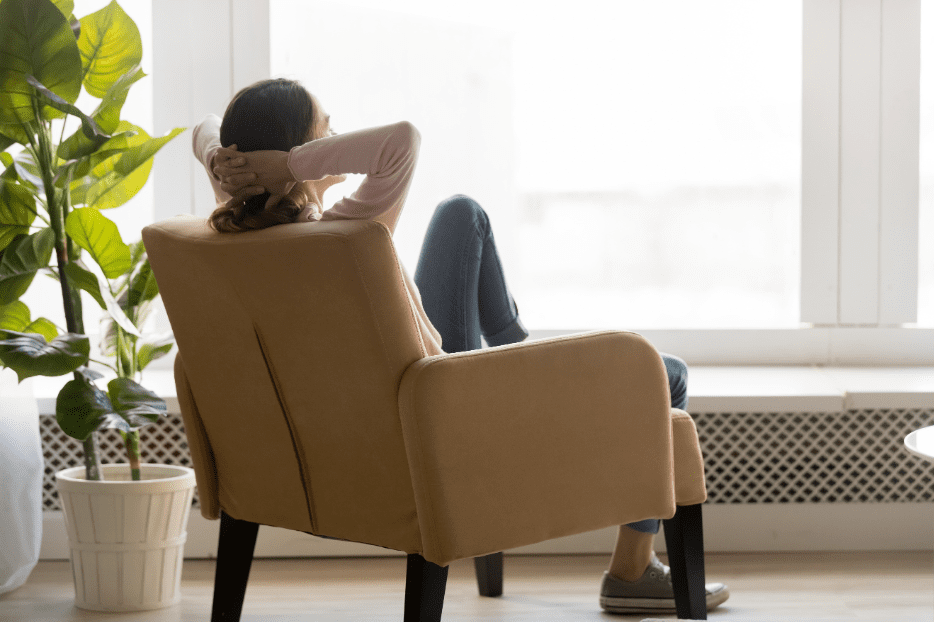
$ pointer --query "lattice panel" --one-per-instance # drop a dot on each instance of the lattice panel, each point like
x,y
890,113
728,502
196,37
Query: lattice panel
x,y
162,443
855,456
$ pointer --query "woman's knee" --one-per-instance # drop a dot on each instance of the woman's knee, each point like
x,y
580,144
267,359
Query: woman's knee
x,y
676,367
677,379
461,209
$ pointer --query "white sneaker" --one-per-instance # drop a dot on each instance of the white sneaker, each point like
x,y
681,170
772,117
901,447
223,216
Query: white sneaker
x,y
651,593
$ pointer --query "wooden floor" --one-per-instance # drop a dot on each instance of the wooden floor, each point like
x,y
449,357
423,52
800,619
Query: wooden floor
x,y
764,587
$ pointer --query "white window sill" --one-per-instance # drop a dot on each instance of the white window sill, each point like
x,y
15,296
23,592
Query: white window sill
x,y
711,388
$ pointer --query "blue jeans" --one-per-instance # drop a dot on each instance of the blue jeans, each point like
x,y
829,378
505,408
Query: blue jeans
x,y
464,293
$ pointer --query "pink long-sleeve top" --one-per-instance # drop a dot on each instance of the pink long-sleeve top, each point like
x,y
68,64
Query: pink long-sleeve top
x,y
386,155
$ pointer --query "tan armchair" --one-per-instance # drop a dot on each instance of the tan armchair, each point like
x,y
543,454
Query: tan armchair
x,y
309,404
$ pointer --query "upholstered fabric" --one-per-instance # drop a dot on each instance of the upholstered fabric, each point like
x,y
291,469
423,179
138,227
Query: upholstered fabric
x,y
528,442
690,487
293,340
310,404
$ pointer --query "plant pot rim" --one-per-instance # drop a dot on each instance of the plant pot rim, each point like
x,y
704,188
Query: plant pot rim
x,y
171,477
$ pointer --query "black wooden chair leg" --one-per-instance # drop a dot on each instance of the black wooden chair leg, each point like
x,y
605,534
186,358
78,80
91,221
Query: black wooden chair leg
x,y
234,558
424,590
684,537
489,574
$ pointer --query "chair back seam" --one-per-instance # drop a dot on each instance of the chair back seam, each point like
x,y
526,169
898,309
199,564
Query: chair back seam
x,y
296,443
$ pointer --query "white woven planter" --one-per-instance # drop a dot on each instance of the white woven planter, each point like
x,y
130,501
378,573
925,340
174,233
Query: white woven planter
x,y
127,538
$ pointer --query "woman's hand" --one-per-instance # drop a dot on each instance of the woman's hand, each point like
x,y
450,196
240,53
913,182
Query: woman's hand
x,y
250,173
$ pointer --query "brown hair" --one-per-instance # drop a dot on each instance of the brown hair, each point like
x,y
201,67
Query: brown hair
x,y
270,114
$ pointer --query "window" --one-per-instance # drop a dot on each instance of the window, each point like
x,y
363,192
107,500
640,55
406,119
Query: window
x,y
669,167
641,162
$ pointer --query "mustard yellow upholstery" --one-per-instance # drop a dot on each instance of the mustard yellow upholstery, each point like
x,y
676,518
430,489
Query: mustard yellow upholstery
x,y
310,404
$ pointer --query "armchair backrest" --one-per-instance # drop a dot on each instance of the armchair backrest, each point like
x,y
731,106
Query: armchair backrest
x,y
293,342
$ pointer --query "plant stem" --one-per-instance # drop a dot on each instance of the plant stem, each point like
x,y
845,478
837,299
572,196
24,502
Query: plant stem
x,y
57,223
103,363
121,370
131,441
92,464
131,438
46,165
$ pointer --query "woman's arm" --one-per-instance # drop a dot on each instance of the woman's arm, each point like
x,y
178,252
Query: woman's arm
x,y
205,141
206,145
386,155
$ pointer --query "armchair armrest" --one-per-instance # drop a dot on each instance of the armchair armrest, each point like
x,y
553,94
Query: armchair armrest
x,y
524,443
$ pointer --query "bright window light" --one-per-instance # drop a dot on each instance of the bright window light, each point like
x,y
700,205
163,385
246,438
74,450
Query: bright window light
x,y
640,161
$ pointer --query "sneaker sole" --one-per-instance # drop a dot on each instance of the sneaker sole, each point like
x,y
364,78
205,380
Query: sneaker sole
x,y
655,605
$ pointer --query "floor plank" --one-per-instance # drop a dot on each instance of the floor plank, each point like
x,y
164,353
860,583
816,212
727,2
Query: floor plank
x,y
809,587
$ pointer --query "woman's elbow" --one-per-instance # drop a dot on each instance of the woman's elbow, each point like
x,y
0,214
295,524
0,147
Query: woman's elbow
x,y
408,133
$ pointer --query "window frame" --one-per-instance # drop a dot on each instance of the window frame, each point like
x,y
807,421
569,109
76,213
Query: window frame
x,y
860,133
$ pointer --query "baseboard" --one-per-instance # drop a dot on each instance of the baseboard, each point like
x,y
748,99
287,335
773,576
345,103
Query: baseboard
x,y
727,528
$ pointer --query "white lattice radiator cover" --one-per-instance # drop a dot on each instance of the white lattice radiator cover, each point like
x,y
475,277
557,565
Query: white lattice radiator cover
x,y
854,456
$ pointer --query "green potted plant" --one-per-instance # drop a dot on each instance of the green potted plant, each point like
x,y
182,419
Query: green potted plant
x,y
52,197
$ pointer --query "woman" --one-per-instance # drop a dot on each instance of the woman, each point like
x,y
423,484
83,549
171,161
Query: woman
x,y
270,162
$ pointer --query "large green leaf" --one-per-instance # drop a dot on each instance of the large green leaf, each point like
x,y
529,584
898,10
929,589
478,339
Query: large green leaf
x,y
29,354
82,409
137,405
67,7
48,98
143,284
138,155
28,171
135,291
17,210
89,153
16,133
82,278
42,326
152,347
137,315
78,146
114,181
98,235
111,189
35,39
15,316
122,283
137,253
107,114
121,348
117,313
107,117
94,175
21,259
89,373
6,141
110,46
